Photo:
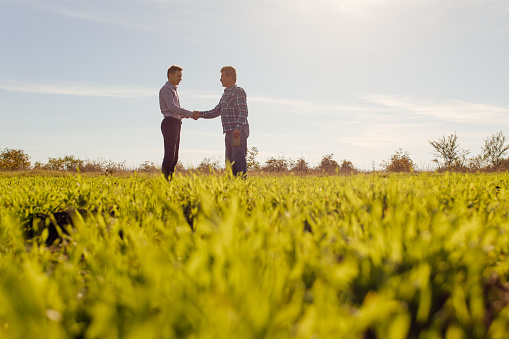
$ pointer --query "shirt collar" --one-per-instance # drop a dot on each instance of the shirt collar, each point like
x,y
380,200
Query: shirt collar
x,y
170,85
226,90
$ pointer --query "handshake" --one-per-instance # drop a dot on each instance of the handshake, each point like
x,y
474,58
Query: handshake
x,y
196,115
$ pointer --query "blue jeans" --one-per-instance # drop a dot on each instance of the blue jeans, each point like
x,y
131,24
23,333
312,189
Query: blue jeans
x,y
236,155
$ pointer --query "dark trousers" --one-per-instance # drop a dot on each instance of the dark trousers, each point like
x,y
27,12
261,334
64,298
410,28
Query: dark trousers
x,y
236,155
170,128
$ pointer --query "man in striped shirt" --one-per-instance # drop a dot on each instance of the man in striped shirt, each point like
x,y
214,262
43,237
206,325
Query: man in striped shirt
x,y
170,127
233,111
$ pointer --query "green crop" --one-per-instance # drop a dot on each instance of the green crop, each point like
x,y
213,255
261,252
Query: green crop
x,y
364,256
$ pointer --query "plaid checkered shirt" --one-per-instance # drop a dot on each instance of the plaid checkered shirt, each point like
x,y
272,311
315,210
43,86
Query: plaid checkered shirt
x,y
232,108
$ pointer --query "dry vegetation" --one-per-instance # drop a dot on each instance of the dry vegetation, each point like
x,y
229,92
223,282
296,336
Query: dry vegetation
x,y
449,156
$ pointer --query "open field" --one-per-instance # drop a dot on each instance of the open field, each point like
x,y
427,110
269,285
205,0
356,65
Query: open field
x,y
363,256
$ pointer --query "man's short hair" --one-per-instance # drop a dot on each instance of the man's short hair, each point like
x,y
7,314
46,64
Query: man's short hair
x,y
172,70
230,72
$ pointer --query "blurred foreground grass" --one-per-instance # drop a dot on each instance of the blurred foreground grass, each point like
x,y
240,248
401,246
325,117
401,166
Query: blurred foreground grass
x,y
365,256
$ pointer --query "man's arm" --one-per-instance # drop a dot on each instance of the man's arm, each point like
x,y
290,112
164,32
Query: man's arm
x,y
208,114
169,99
240,104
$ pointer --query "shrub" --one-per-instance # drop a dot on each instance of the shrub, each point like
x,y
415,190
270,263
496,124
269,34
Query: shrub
x,y
180,167
475,163
327,164
209,165
67,163
147,167
56,164
494,149
70,163
38,165
277,165
112,167
448,151
399,162
346,166
504,165
93,166
14,159
252,164
301,166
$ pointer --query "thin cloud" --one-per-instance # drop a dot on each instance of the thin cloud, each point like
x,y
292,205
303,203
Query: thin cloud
x,y
336,125
201,151
207,134
381,136
94,90
105,18
311,107
79,89
453,110
359,8
367,142
503,12
146,15
274,136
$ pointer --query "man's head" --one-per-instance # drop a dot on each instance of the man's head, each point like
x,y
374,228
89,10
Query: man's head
x,y
174,75
228,76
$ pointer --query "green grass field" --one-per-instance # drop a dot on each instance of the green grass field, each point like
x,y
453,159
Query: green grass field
x,y
363,256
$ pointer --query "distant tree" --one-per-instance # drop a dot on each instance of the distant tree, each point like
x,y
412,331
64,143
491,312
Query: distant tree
x,y
147,167
463,161
179,167
252,164
93,166
399,162
504,165
448,154
56,164
475,163
301,166
280,164
346,166
14,159
67,163
71,163
327,164
209,165
110,166
38,165
494,149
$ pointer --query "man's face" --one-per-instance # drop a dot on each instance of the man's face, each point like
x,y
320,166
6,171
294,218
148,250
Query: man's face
x,y
226,80
176,78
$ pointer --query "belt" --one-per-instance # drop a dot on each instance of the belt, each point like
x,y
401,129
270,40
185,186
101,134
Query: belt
x,y
172,118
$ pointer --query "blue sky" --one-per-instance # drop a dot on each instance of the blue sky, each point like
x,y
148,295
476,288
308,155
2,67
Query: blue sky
x,y
357,78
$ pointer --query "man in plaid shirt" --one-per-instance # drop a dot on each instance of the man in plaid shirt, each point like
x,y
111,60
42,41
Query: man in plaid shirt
x,y
233,111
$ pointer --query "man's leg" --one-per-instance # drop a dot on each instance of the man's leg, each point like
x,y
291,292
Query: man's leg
x,y
239,153
176,157
171,133
228,148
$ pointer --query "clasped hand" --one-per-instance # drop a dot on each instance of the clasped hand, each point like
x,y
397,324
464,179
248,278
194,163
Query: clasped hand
x,y
196,115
